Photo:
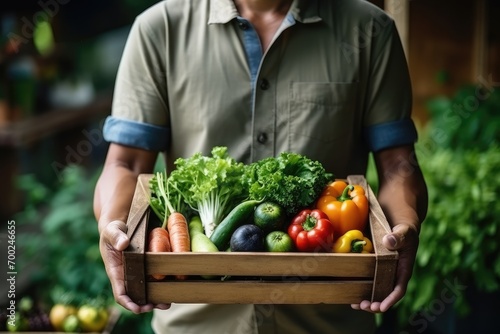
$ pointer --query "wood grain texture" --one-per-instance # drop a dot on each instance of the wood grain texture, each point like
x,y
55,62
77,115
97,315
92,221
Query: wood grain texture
x,y
247,292
386,260
133,256
262,264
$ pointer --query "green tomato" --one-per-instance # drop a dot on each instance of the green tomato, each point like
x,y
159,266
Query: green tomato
x,y
269,216
71,324
278,241
18,324
92,318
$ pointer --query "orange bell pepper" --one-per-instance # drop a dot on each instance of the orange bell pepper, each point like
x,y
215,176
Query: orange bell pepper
x,y
345,205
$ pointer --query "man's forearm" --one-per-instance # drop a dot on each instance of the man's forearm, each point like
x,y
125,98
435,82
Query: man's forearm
x,y
404,201
113,194
116,185
402,192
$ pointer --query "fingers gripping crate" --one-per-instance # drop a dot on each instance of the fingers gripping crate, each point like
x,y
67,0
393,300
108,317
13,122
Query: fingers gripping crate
x,y
257,277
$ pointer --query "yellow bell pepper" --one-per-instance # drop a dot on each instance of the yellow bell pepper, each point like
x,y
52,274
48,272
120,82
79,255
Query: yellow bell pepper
x,y
353,241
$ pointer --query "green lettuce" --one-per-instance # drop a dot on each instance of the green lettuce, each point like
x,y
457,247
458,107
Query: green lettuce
x,y
211,185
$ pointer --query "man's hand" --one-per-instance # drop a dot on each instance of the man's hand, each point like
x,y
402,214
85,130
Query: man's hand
x,y
403,197
113,242
404,239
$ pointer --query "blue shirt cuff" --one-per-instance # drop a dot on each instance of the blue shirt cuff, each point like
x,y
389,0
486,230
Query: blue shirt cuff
x,y
136,134
386,135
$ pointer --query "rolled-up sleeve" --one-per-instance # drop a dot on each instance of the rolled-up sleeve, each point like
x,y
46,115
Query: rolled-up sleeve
x,y
136,134
387,135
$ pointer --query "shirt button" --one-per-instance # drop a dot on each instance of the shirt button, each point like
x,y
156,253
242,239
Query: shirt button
x,y
262,138
243,25
264,84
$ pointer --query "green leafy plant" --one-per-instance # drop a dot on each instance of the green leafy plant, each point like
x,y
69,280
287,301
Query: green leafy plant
x,y
211,185
291,180
459,238
468,119
60,241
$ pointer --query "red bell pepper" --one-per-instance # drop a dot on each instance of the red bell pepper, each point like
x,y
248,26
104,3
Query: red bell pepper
x,y
311,231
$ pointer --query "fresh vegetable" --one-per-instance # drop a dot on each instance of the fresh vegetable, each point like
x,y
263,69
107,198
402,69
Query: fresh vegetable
x,y
165,199
278,241
311,231
159,241
195,226
239,215
213,186
179,235
92,318
290,180
71,324
173,221
19,324
269,216
345,205
59,312
247,238
353,241
199,241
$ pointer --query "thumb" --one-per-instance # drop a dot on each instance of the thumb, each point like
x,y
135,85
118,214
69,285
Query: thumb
x,y
115,234
396,239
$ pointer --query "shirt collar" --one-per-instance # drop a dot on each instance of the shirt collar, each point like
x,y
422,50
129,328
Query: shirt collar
x,y
305,11
223,11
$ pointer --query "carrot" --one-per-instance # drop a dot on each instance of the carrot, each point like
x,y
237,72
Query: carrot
x,y
179,234
159,241
173,221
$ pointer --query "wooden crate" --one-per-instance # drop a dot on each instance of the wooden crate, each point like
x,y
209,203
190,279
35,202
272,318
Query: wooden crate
x,y
257,277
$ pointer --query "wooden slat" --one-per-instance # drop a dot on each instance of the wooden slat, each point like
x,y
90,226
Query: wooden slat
x,y
133,257
140,204
386,264
386,260
244,292
262,264
135,280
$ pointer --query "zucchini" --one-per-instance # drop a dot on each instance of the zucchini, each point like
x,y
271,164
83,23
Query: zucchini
x,y
195,226
240,215
200,242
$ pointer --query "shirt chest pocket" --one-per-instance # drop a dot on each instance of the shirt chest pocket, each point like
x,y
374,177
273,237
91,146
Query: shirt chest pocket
x,y
321,112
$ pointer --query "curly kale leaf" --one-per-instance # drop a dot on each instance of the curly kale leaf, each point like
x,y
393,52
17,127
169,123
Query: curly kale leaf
x,y
291,180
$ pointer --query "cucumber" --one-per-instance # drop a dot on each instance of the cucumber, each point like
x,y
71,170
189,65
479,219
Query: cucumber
x,y
240,215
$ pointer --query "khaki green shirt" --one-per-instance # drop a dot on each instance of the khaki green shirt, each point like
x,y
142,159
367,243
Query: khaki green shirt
x,y
333,85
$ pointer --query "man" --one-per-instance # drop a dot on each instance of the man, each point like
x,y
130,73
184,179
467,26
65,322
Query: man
x,y
327,79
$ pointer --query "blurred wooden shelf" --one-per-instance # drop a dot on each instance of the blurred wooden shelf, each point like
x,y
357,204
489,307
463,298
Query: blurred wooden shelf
x,y
17,136
30,130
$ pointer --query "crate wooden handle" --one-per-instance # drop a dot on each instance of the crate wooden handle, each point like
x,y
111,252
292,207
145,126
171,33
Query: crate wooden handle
x,y
133,257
